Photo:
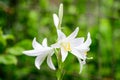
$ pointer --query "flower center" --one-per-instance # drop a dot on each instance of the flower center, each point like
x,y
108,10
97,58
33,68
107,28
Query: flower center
x,y
85,53
66,46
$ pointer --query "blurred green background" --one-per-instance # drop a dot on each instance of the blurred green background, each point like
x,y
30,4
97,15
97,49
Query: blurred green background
x,y
22,20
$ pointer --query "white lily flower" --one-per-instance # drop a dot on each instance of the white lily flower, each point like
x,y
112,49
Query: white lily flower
x,y
68,43
76,46
58,18
41,51
83,49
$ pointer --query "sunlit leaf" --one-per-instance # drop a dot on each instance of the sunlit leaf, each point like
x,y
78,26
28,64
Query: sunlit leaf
x,y
8,59
15,50
9,36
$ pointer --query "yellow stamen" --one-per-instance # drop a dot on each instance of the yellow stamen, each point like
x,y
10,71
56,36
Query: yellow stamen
x,y
85,53
66,46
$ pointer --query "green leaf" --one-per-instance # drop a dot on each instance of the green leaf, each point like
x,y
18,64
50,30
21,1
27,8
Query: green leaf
x,y
2,44
15,50
8,36
8,59
26,43
1,32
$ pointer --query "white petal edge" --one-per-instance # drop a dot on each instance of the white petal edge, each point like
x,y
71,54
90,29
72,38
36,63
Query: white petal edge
x,y
88,40
37,52
44,43
50,63
78,54
32,52
56,20
85,46
73,34
35,44
56,45
82,48
76,42
39,60
64,54
61,35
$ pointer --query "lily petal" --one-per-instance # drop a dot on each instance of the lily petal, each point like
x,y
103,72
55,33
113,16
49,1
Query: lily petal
x,y
82,62
88,41
78,54
35,44
50,63
64,54
85,46
56,20
44,43
32,52
37,52
61,35
76,42
82,48
73,34
56,45
39,60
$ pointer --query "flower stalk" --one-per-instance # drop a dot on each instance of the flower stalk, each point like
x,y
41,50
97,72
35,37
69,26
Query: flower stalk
x,y
59,73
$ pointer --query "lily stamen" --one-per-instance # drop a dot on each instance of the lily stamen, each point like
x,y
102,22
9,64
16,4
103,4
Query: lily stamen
x,y
90,58
66,46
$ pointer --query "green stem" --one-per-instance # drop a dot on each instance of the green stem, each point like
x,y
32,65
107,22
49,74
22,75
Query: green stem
x,y
60,73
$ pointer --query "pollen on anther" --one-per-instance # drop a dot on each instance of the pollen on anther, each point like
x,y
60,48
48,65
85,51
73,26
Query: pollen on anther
x,y
66,46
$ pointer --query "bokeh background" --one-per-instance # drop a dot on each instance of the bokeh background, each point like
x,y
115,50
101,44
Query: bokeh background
x,y
22,20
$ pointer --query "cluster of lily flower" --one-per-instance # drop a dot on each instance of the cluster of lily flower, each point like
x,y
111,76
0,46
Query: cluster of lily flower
x,y
77,46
